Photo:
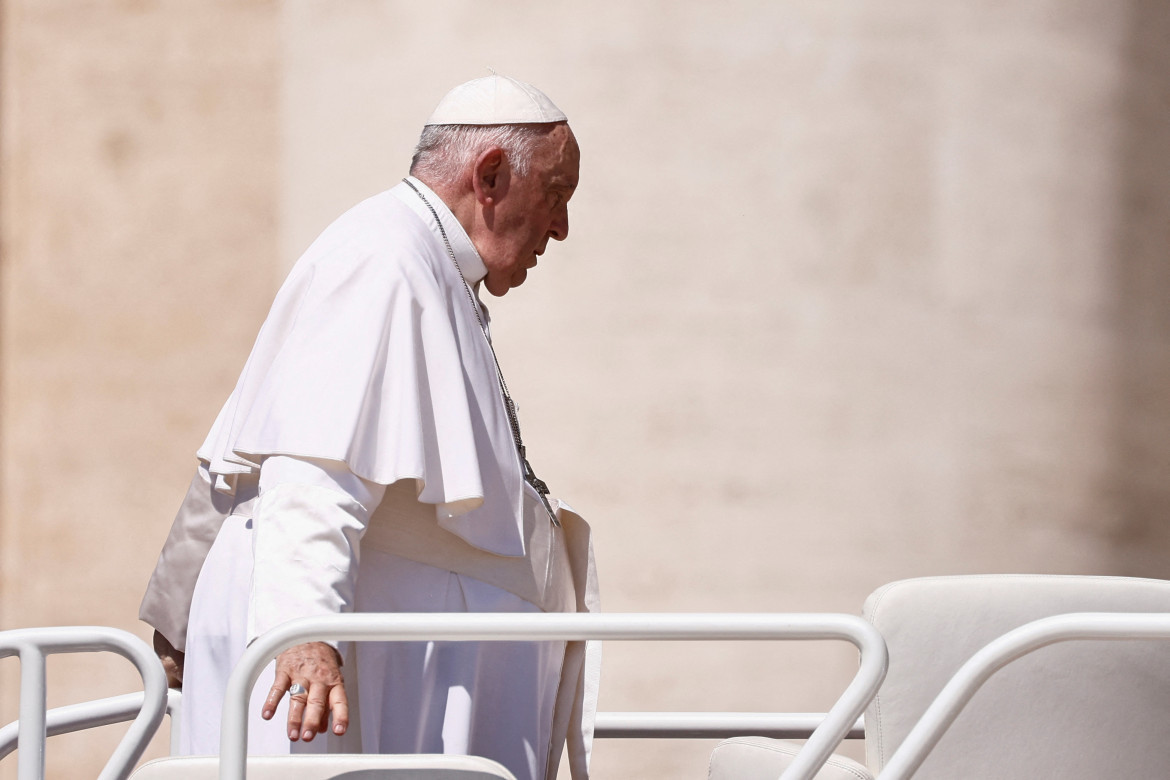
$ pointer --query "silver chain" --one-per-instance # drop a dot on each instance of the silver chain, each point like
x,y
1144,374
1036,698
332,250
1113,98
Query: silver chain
x,y
529,475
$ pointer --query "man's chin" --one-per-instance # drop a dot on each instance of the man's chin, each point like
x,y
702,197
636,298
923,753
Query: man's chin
x,y
500,289
497,289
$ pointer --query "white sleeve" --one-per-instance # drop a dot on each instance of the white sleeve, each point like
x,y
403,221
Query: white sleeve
x,y
307,525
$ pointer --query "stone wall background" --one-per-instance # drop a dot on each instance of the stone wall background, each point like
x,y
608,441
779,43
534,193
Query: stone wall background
x,y
854,292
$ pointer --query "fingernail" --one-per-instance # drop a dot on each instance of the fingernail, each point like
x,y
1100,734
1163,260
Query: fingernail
x,y
308,735
266,714
292,734
339,729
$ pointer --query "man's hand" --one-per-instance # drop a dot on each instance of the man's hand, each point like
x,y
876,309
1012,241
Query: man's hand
x,y
316,667
172,660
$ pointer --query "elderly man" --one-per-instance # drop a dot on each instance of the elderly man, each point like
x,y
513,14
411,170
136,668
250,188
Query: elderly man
x,y
370,460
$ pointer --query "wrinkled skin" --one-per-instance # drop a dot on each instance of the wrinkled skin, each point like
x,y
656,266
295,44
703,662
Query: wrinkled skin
x,y
511,218
520,214
317,667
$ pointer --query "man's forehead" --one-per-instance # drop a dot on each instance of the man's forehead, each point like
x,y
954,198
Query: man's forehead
x,y
564,158
565,175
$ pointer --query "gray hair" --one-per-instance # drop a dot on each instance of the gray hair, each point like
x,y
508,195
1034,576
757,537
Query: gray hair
x,y
444,152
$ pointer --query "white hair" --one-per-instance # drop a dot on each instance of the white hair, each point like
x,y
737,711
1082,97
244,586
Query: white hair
x,y
445,152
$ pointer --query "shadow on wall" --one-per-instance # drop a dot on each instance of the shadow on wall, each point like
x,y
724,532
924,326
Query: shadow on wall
x,y
1140,534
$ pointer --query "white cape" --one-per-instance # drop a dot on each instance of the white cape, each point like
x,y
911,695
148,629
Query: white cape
x,y
372,355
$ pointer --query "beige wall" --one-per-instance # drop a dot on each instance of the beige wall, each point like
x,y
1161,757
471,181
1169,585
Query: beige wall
x,y
854,292
137,201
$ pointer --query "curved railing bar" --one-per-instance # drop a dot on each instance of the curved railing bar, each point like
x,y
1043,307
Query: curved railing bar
x,y
607,725
569,627
32,645
999,653
91,714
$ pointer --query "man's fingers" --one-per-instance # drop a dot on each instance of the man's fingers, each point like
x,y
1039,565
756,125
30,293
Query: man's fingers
x,y
275,694
172,660
339,707
316,716
313,672
296,713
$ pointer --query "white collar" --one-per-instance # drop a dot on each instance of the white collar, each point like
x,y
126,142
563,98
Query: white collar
x,y
466,257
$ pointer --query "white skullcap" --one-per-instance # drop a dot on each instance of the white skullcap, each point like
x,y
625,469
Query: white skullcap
x,y
495,100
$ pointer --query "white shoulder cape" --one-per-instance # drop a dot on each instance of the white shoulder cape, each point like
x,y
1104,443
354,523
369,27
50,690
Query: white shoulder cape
x,y
372,355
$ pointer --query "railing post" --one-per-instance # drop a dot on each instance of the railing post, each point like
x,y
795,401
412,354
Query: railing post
x,y
31,745
174,709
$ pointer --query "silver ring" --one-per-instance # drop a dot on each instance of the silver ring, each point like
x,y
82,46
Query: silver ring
x,y
296,688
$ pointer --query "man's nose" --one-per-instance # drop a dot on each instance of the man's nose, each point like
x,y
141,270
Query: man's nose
x,y
559,228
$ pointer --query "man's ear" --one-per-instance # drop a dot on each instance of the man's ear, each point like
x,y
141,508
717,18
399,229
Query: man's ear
x,y
491,176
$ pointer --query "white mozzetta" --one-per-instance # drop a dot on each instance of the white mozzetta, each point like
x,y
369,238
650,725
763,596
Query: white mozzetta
x,y
372,356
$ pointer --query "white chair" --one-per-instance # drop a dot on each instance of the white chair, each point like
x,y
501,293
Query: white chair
x,y
741,758
1074,710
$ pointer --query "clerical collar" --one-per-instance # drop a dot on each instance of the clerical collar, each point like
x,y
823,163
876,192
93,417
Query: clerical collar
x,y
466,257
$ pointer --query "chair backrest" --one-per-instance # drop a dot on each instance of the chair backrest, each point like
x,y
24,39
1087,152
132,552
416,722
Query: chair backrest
x,y
761,758
1085,709
333,766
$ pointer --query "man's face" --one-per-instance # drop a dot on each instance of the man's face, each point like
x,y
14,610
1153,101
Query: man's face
x,y
534,210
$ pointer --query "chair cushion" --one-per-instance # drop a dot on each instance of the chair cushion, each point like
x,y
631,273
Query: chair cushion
x,y
1086,709
331,767
760,758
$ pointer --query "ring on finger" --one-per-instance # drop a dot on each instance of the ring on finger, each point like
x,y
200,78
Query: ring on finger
x,y
296,688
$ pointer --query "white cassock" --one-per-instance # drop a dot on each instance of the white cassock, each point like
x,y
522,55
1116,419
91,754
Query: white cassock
x,y
365,463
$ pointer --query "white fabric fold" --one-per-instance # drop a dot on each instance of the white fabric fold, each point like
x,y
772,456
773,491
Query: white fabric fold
x,y
308,524
372,356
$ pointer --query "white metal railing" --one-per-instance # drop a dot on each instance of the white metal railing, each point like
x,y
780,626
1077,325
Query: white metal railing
x,y
999,653
91,714
659,725
713,725
607,725
32,645
836,724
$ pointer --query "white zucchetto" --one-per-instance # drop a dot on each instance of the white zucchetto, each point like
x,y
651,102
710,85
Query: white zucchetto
x,y
495,100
